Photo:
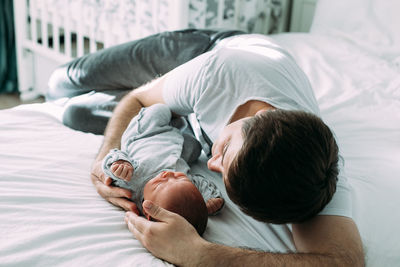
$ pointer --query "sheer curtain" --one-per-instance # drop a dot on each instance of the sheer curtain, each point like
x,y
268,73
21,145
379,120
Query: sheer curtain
x,y
8,70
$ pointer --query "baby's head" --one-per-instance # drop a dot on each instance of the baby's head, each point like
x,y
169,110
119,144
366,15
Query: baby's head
x,y
175,192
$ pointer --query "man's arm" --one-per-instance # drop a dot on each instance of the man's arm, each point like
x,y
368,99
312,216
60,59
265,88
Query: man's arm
x,y
323,241
128,107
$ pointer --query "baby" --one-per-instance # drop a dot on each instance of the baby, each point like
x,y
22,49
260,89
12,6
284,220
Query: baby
x,y
153,164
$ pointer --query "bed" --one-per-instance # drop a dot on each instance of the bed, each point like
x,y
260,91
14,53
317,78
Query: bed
x,y
51,215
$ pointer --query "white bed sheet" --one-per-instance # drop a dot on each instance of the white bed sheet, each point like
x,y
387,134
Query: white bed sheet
x,y
51,214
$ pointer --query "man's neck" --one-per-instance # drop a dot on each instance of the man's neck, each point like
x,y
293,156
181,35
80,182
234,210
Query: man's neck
x,y
249,109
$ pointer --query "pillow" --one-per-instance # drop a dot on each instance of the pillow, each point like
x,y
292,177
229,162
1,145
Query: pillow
x,y
371,24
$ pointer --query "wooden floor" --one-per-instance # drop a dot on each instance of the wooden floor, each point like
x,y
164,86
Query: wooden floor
x,y
12,100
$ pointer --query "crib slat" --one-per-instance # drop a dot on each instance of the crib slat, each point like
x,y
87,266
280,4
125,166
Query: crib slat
x,y
119,32
56,32
24,57
67,29
179,14
92,40
79,38
79,42
236,18
139,18
44,21
203,18
79,29
108,35
90,27
220,19
154,15
32,12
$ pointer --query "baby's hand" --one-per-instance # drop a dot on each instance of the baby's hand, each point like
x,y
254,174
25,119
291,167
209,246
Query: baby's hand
x,y
214,204
122,169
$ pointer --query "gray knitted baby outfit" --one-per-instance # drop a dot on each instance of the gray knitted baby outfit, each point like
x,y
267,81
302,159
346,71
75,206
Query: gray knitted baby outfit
x,y
151,144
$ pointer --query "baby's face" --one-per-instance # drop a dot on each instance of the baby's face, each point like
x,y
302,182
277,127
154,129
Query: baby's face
x,y
165,185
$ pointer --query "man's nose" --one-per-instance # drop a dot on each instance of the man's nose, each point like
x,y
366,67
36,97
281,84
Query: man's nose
x,y
215,163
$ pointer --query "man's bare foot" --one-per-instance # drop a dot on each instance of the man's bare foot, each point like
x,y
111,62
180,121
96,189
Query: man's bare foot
x,y
122,169
214,204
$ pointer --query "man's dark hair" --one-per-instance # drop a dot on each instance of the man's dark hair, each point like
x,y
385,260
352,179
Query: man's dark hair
x,y
287,168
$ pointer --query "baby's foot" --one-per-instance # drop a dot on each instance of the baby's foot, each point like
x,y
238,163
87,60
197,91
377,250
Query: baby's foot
x,y
214,204
122,169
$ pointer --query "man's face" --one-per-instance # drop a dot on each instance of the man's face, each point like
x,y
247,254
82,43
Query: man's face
x,y
226,147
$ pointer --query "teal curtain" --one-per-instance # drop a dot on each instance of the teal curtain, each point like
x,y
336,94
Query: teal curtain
x,y
8,62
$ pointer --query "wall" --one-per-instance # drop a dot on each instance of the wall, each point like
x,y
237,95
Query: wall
x,y
8,70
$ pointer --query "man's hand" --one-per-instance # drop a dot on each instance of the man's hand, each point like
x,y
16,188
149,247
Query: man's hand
x,y
173,239
119,197
170,238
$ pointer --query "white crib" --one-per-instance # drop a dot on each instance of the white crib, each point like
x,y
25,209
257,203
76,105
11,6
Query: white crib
x,y
53,32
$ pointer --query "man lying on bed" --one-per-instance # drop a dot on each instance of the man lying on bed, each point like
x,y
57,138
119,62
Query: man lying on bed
x,y
279,162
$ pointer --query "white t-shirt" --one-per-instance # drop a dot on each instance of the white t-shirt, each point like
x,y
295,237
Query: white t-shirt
x,y
239,69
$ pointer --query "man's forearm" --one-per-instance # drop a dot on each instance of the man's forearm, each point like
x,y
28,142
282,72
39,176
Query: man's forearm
x,y
147,95
123,113
220,255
